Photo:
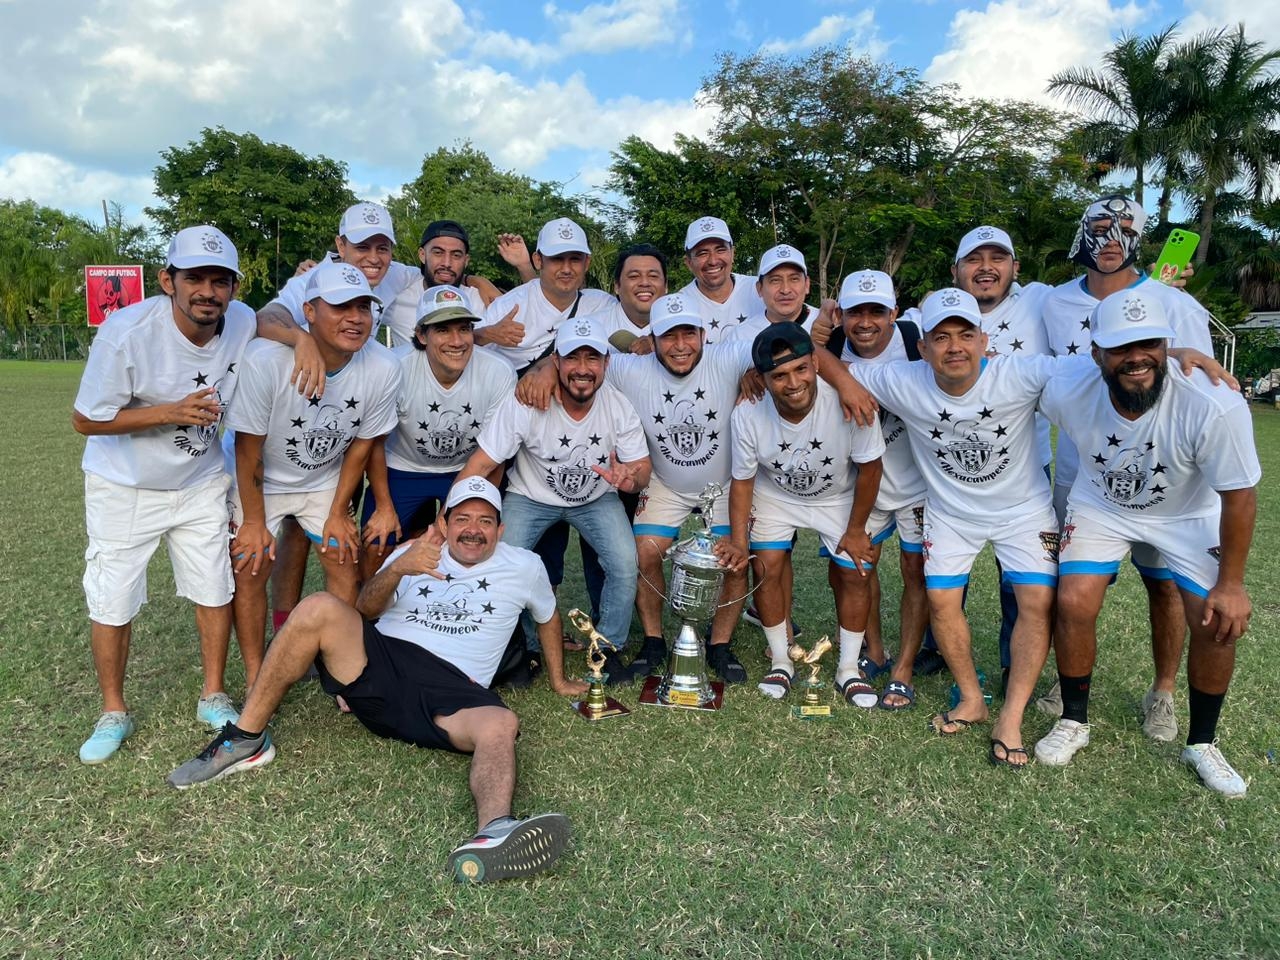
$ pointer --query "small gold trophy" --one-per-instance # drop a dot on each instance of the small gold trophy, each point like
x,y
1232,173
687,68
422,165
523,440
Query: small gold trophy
x,y
597,706
812,707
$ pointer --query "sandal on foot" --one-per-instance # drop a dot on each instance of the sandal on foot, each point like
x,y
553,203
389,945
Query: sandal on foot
x,y
941,721
776,683
858,693
997,761
897,688
870,669
571,644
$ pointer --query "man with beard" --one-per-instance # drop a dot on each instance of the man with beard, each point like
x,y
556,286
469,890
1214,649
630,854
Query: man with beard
x,y
1169,462
570,462
724,298
1106,245
158,380
413,661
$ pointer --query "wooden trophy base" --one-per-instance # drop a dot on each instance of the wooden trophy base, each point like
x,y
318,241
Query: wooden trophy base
x,y
612,708
649,696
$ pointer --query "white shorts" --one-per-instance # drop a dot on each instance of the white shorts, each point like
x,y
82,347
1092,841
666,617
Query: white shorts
x,y
310,508
1026,546
1094,544
125,525
908,521
774,524
662,511
1145,557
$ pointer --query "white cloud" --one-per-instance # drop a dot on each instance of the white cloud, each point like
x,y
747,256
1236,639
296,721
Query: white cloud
x,y
1012,47
860,28
623,24
1261,20
53,182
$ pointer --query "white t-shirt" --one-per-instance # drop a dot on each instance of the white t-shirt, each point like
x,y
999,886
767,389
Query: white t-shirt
x,y
307,436
749,329
613,319
555,453
1015,327
1066,319
540,318
811,462
438,426
401,314
1167,464
717,318
685,419
976,452
399,276
467,618
139,358
900,483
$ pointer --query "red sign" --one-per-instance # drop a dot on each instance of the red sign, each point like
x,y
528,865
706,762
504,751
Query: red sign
x,y
107,289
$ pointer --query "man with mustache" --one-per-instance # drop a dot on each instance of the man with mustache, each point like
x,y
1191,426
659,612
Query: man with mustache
x,y
1167,461
724,298
413,660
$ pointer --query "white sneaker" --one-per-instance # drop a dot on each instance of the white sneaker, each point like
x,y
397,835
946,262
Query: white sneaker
x,y
1213,769
1051,702
1062,743
1158,721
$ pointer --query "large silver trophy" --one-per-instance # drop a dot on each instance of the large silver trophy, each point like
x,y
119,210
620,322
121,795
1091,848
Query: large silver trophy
x,y
694,596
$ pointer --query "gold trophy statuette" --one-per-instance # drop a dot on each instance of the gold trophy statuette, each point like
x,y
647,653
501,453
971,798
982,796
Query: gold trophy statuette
x,y
812,707
597,706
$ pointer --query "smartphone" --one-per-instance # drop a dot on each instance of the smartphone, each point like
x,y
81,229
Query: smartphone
x,y
1175,255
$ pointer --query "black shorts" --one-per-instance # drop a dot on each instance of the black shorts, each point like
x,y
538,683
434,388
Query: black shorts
x,y
403,687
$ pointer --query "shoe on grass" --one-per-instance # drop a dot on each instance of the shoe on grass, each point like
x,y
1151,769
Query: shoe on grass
x,y
1158,721
230,752
1051,702
652,657
752,615
617,672
1062,743
108,733
216,711
1212,767
927,663
507,847
726,665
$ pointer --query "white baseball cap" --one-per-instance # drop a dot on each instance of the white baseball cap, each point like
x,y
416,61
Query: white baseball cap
x,y
562,236
203,246
442,303
1128,316
779,256
581,332
707,228
365,220
473,488
337,283
868,286
673,310
949,303
984,236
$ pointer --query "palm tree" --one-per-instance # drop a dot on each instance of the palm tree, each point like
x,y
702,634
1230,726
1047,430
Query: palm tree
x,y
1126,100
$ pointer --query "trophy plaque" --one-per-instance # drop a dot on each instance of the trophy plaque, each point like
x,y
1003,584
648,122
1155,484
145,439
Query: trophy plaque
x,y
598,705
811,707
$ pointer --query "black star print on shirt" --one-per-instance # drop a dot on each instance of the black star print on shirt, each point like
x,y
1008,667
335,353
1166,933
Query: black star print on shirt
x,y
944,414
1016,345
352,403
699,394
594,439
564,441
482,584
668,396
297,422
1072,349
433,407
200,379
815,444
1099,459
741,317
936,434
314,401
1113,441
984,413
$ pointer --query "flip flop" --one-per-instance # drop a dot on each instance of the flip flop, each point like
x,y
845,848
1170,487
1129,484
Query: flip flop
x,y
570,644
941,720
899,689
1008,752
858,693
777,679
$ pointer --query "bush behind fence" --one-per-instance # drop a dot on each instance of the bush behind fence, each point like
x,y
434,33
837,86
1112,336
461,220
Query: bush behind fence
x,y
45,341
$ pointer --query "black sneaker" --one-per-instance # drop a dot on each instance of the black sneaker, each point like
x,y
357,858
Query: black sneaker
x,y
752,615
230,752
727,666
652,657
508,847
618,674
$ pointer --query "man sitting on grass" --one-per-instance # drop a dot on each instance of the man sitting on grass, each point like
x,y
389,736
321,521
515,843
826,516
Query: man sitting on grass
x,y
414,661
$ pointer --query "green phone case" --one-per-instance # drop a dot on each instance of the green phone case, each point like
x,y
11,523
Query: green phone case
x,y
1175,255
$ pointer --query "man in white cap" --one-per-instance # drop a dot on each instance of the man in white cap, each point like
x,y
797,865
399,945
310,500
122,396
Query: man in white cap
x,y
783,285
413,661
448,390
521,324
158,380
724,298
1107,245
1169,462
570,462
305,456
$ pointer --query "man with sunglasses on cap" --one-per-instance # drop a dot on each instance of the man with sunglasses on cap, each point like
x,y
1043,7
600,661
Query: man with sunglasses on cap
x,y
724,298
157,383
413,660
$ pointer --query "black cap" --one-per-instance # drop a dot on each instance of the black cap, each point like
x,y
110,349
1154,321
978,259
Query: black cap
x,y
787,340
446,228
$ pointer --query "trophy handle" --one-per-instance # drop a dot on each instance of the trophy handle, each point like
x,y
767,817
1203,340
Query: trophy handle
x,y
648,582
729,603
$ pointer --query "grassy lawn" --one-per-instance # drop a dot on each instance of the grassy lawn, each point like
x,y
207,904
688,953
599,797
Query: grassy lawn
x,y
739,834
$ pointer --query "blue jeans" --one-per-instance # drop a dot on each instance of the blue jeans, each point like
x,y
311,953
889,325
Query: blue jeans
x,y
603,524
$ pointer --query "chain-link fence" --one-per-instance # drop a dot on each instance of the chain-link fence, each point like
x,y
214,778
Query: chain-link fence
x,y
46,341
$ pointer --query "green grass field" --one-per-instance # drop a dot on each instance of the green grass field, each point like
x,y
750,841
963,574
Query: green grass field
x,y
738,834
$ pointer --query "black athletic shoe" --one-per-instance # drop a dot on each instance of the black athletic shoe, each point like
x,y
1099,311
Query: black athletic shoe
x,y
618,674
508,847
652,657
727,666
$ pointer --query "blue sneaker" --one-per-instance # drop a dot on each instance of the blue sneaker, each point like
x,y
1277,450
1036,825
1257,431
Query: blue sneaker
x,y
108,733
216,710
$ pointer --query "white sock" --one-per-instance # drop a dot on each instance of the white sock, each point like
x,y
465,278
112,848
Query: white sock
x,y
850,648
776,637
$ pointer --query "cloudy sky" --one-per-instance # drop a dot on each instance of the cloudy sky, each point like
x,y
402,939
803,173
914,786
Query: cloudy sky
x,y
92,90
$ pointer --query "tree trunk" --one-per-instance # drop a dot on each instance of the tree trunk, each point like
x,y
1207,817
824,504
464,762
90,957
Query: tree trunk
x,y
1206,226
897,252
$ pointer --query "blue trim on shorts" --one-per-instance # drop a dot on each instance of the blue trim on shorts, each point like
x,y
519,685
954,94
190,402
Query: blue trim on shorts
x,y
885,534
1030,577
316,539
906,546
947,582
1155,573
1189,585
825,554
771,545
720,530
1089,568
654,530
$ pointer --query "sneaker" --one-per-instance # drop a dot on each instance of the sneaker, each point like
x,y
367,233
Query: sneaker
x,y
1213,769
727,666
618,674
230,752
216,710
752,615
1051,702
1158,721
1062,743
652,657
108,733
927,663
508,847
